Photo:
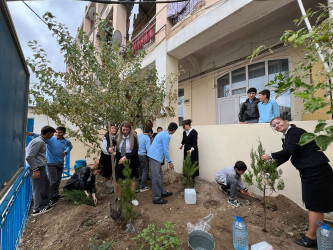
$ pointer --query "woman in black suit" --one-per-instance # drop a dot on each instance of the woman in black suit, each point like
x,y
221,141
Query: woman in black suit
x,y
316,175
190,142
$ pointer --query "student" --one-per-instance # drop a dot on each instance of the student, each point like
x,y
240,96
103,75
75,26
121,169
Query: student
x,y
159,129
127,147
190,143
144,144
36,160
268,109
84,180
56,149
315,172
230,178
105,158
157,151
249,111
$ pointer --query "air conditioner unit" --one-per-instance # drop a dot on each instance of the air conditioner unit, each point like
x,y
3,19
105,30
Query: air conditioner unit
x,y
91,13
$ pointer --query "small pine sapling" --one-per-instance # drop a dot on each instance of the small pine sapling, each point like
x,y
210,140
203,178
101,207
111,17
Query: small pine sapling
x,y
189,170
266,174
128,194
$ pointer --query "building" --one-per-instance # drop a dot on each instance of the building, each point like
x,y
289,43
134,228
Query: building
x,y
206,43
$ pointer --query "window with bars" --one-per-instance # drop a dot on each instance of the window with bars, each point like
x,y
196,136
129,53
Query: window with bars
x,y
237,82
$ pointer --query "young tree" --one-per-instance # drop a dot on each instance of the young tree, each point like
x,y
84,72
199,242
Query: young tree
x,y
128,212
317,94
266,175
189,170
101,84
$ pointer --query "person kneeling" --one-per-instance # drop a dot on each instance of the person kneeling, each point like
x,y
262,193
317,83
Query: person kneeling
x,y
230,178
84,180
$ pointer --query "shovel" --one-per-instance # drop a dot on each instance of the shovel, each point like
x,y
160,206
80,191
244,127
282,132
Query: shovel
x,y
115,210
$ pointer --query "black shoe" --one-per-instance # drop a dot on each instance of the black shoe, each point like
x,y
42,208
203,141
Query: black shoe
x,y
306,242
166,194
52,202
60,197
160,201
44,210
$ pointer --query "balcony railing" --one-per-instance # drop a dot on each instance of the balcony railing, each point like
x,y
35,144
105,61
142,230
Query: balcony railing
x,y
104,7
145,38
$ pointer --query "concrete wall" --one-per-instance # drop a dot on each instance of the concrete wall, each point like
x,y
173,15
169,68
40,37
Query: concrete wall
x,y
223,145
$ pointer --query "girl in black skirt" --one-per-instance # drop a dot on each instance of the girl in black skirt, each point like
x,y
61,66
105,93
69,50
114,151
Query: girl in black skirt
x,y
105,159
127,146
190,142
316,175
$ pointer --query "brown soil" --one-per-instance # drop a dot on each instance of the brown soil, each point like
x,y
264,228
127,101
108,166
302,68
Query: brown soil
x,y
69,226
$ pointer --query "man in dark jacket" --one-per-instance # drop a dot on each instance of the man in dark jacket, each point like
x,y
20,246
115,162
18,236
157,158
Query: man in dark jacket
x,y
249,111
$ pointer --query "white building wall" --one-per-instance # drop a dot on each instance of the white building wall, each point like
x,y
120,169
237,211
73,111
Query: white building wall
x,y
222,145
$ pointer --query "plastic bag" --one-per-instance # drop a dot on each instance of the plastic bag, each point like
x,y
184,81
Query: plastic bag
x,y
204,224
130,228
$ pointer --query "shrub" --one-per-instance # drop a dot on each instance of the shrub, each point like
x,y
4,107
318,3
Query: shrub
x,y
78,197
161,239
93,244
189,170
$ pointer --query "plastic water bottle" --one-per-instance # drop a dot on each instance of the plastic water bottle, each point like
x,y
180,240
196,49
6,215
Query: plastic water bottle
x,y
324,236
240,234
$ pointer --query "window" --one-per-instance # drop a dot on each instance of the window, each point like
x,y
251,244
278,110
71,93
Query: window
x,y
257,78
235,83
238,81
223,88
274,67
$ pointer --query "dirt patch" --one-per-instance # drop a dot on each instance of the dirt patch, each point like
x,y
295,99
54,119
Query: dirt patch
x,y
69,226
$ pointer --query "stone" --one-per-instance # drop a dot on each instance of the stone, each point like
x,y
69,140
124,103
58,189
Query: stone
x,y
291,234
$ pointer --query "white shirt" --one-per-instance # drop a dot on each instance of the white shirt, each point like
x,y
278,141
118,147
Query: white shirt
x,y
127,145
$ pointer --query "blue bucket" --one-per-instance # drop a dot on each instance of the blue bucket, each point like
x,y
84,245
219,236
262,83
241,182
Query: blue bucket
x,y
80,164
202,240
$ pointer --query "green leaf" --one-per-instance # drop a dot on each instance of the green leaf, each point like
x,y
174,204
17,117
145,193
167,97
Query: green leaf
x,y
323,141
320,127
306,138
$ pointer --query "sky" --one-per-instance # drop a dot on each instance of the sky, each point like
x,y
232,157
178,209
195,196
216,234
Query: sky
x,y
29,27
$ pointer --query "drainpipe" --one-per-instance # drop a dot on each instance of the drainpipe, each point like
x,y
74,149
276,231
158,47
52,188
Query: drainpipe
x,y
308,25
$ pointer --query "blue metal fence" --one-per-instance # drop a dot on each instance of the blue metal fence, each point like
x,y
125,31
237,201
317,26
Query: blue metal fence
x,y
14,212
66,172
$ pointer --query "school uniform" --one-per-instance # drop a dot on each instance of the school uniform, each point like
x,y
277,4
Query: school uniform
x,y
130,155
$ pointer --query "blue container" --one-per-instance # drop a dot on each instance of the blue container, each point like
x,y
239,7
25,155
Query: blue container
x,y
324,236
80,164
240,234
